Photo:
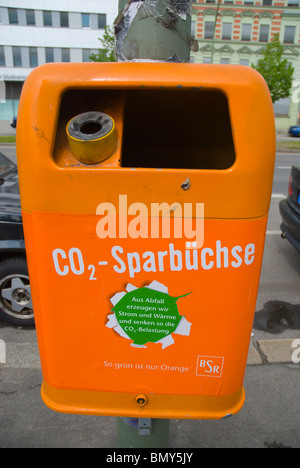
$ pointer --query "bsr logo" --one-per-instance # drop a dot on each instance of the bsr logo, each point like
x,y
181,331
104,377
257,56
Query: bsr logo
x,y
209,366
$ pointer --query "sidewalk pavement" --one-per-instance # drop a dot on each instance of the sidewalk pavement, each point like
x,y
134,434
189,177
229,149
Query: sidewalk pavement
x,y
6,129
275,351
261,352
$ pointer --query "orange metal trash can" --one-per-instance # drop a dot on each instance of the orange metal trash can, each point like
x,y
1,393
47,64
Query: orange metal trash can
x,y
145,191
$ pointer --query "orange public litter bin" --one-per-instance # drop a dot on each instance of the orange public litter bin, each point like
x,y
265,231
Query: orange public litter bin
x,y
145,190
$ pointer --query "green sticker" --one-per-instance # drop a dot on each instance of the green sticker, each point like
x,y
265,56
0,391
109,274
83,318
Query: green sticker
x,y
147,315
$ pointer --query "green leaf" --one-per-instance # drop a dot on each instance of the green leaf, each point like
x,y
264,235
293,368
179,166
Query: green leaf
x,y
277,72
107,51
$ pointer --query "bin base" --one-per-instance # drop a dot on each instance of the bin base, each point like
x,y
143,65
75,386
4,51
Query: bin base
x,y
158,406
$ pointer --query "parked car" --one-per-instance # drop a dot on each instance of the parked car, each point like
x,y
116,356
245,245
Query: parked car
x,y
13,122
294,130
290,210
15,296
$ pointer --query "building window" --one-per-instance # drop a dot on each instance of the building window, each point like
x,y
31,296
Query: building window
x,y
289,34
30,17
65,55
225,61
282,106
248,2
13,16
244,62
208,30
17,57
293,3
86,55
49,54
2,57
64,19
101,21
85,20
246,32
193,29
33,57
47,15
264,33
13,90
210,1
226,31
267,2
206,59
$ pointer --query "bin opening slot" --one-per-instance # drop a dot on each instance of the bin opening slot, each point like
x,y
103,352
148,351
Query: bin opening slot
x,y
182,128
158,128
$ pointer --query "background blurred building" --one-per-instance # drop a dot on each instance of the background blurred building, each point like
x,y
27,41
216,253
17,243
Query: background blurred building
x,y
34,32
243,28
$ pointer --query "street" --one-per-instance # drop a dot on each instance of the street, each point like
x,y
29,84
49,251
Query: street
x,y
270,417
281,265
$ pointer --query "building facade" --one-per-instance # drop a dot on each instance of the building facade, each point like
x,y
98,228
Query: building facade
x,y
33,32
239,33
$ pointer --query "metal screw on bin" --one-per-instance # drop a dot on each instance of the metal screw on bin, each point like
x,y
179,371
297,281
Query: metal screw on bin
x,y
141,400
186,184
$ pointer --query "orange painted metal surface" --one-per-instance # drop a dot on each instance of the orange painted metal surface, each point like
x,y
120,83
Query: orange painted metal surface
x,y
93,356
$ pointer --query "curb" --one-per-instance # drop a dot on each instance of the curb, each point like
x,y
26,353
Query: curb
x,y
19,356
262,352
284,351
287,150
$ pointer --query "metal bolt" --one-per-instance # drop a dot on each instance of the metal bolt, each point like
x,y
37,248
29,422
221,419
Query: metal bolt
x,y
141,400
186,184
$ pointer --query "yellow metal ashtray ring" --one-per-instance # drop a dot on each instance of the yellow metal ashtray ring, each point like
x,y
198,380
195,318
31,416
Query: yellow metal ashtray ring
x,y
92,137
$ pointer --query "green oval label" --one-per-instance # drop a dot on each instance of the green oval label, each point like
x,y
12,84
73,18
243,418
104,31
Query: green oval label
x,y
147,315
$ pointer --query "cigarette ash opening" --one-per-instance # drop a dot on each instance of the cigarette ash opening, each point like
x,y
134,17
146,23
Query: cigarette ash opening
x,y
90,126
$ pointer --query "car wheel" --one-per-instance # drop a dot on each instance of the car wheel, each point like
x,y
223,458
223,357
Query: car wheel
x,y
15,296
